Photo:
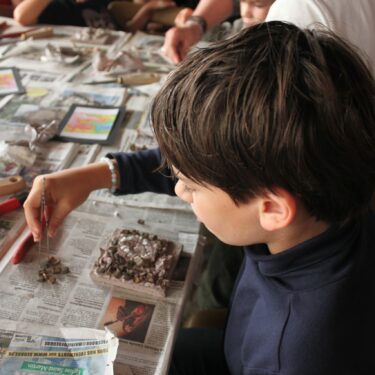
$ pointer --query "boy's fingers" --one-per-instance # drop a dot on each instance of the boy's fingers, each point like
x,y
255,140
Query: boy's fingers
x,y
32,215
32,209
56,219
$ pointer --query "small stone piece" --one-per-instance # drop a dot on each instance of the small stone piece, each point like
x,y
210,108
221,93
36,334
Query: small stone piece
x,y
51,279
52,267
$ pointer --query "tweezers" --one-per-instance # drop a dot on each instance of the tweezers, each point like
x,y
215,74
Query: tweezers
x,y
43,219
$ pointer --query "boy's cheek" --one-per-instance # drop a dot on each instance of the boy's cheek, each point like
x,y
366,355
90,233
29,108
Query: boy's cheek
x,y
196,213
178,189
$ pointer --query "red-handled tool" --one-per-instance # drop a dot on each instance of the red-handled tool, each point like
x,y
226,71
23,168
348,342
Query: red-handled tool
x,y
28,242
24,246
13,203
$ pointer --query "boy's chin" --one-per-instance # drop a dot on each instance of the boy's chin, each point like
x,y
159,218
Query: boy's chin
x,y
227,240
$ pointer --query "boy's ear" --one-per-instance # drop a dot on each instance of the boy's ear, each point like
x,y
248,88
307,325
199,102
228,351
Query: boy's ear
x,y
277,209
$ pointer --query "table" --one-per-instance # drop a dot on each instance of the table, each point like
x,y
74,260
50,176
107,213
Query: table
x,y
76,301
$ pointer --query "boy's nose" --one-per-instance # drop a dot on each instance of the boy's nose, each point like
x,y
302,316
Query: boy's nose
x,y
182,193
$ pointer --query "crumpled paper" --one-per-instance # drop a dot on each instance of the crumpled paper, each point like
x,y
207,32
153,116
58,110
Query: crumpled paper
x,y
123,62
40,133
65,55
36,134
93,35
16,155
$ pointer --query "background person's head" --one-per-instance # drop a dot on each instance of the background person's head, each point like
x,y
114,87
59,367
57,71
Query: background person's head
x,y
274,107
254,11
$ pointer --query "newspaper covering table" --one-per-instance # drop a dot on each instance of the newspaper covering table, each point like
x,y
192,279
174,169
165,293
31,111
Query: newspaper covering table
x,y
76,301
58,350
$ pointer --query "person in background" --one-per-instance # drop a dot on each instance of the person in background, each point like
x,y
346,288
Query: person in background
x,y
63,12
352,20
86,12
144,10
191,26
7,6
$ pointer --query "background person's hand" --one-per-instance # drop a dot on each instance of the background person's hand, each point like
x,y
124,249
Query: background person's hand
x,y
183,16
178,41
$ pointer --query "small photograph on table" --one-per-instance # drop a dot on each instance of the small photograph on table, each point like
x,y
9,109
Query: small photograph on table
x,y
90,124
10,82
128,319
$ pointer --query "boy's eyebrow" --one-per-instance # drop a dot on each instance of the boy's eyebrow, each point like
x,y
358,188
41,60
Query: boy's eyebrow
x,y
183,179
177,174
173,172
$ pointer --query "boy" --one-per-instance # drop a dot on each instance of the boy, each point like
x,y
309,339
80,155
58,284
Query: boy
x,y
272,139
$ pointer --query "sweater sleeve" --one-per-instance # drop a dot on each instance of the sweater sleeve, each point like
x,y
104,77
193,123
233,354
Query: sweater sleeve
x,y
139,173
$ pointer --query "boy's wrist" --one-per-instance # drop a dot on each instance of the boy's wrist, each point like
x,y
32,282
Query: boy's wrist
x,y
94,176
112,166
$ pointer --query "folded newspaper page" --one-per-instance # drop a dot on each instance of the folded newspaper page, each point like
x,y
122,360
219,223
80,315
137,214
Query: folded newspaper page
x,y
34,349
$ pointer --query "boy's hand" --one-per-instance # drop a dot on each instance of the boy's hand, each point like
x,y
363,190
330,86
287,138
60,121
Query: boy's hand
x,y
64,191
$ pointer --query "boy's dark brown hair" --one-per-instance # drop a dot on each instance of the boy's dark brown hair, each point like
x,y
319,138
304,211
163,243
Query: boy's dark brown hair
x,y
274,106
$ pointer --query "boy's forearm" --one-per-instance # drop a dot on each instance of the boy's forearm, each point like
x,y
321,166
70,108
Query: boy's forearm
x,y
28,12
214,11
97,176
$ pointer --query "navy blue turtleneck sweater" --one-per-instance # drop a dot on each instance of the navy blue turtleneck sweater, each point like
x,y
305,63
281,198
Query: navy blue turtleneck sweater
x,y
309,310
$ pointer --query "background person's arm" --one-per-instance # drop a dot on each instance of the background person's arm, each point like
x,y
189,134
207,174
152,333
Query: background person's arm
x,y
28,11
143,16
179,39
214,11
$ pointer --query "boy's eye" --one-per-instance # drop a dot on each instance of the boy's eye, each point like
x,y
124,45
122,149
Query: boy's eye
x,y
188,189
